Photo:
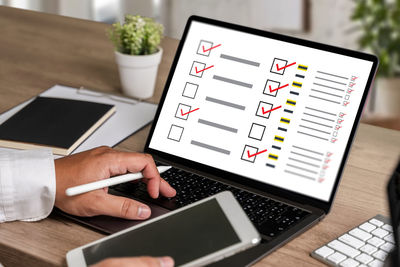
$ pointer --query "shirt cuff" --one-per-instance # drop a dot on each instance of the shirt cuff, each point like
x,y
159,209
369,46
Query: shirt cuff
x,y
27,184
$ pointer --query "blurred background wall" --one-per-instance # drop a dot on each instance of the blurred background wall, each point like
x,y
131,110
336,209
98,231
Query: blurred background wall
x,y
326,21
320,20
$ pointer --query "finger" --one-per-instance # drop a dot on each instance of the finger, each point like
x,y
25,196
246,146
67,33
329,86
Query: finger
x,y
135,162
153,186
121,207
166,189
153,178
150,262
137,262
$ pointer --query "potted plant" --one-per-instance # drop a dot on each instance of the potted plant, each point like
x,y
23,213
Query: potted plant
x,y
137,53
380,24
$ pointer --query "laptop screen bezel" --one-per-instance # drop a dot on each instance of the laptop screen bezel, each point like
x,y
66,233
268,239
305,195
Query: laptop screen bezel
x,y
248,182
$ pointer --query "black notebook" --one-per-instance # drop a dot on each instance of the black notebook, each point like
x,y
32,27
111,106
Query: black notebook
x,y
56,123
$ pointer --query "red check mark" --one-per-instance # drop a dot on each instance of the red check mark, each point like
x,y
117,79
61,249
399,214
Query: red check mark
x,y
183,114
273,90
198,71
270,110
284,67
206,50
255,154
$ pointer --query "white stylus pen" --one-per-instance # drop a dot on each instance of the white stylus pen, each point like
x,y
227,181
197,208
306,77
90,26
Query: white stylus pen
x,y
80,189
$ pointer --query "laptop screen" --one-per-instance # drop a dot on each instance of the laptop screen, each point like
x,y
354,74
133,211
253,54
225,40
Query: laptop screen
x,y
274,111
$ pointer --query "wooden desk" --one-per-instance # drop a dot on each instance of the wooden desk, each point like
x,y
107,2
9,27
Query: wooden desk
x,y
39,50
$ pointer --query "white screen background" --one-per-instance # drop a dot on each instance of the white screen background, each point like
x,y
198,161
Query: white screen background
x,y
225,129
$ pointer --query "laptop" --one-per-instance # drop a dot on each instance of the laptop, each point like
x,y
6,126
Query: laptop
x,y
270,118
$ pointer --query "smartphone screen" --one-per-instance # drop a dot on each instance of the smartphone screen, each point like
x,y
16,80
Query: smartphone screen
x,y
185,236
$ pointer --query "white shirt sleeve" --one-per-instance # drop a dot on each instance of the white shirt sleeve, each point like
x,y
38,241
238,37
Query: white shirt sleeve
x,y
27,184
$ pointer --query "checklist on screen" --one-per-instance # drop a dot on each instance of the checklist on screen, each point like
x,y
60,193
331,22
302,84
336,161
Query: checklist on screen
x,y
269,110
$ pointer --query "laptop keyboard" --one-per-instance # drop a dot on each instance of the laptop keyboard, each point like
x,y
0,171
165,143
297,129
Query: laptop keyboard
x,y
270,217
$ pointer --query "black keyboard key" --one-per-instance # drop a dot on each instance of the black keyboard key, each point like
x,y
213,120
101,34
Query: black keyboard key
x,y
268,228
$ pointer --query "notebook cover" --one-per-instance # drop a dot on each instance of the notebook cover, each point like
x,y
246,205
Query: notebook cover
x,y
53,122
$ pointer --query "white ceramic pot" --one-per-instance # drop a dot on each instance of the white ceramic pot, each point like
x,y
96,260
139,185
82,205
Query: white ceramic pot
x,y
387,101
138,73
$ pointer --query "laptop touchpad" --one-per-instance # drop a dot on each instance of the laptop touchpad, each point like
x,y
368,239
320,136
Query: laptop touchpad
x,y
110,225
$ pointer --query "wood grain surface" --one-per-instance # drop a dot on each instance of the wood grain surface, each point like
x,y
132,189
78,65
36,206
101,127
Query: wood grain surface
x,y
40,50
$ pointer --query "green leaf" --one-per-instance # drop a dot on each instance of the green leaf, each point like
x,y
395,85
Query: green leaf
x,y
359,10
137,36
380,32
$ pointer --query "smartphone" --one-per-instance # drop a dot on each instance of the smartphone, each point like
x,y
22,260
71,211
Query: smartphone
x,y
195,235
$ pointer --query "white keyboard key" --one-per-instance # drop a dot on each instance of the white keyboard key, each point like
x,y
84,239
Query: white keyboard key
x,y
364,258
376,263
360,234
336,258
343,248
375,241
367,245
387,247
380,254
376,222
380,233
367,227
349,263
388,227
369,249
389,238
352,241
324,251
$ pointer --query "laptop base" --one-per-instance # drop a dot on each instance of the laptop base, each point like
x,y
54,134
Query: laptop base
x,y
110,225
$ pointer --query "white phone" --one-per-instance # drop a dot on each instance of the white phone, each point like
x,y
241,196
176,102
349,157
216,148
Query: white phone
x,y
195,235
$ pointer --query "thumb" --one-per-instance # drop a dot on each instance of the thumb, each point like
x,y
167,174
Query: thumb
x,y
136,262
121,207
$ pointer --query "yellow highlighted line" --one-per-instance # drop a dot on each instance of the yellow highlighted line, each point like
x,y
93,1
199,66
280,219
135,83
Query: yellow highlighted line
x,y
285,120
273,156
297,84
291,102
302,67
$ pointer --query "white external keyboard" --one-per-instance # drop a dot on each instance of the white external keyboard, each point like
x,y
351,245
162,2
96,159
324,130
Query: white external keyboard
x,y
365,245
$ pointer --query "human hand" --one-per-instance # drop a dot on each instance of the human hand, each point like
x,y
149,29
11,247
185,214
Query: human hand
x,y
102,163
136,262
